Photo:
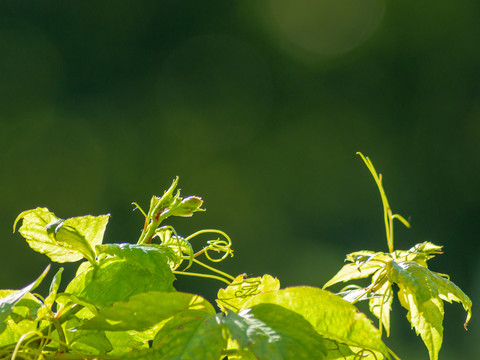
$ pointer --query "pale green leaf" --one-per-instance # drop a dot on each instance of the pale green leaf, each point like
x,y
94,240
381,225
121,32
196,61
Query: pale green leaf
x,y
123,342
7,303
448,291
190,334
275,333
426,317
381,304
40,228
331,316
420,253
92,228
242,288
420,296
351,272
87,342
142,311
116,279
151,257
55,284
34,230
362,264
21,319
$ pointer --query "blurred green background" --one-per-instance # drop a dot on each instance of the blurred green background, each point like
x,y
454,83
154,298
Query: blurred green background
x,y
259,107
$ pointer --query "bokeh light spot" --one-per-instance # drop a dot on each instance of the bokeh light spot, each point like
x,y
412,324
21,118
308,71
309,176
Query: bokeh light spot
x,y
327,27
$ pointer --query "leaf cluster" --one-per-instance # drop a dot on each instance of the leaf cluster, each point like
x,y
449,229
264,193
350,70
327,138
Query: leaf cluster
x,y
420,290
122,303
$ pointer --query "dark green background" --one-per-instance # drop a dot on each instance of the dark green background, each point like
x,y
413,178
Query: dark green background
x,y
259,107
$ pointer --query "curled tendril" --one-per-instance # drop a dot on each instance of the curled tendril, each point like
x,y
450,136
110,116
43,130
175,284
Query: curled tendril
x,y
220,246
182,250
361,353
246,288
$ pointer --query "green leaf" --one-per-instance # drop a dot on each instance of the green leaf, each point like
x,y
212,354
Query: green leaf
x,y
52,294
381,304
87,342
363,264
142,311
123,342
242,288
7,303
21,320
190,334
78,235
151,257
119,277
421,293
275,333
331,316
420,253
69,237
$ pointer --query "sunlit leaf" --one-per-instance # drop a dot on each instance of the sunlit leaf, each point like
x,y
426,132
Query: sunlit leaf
x,y
78,236
381,304
116,279
242,288
144,310
52,294
87,342
362,264
275,333
21,319
190,334
419,253
7,303
151,257
421,293
351,272
331,316
123,342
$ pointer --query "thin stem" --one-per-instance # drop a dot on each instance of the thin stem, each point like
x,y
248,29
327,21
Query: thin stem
x,y
388,215
204,231
202,275
392,353
213,269
61,334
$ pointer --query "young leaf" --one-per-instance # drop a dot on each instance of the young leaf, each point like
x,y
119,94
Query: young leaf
x,y
118,278
331,316
69,237
151,257
87,342
420,253
21,320
82,233
142,311
363,264
242,288
421,293
124,342
190,334
381,304
40,228
7,303
52,294
273,332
